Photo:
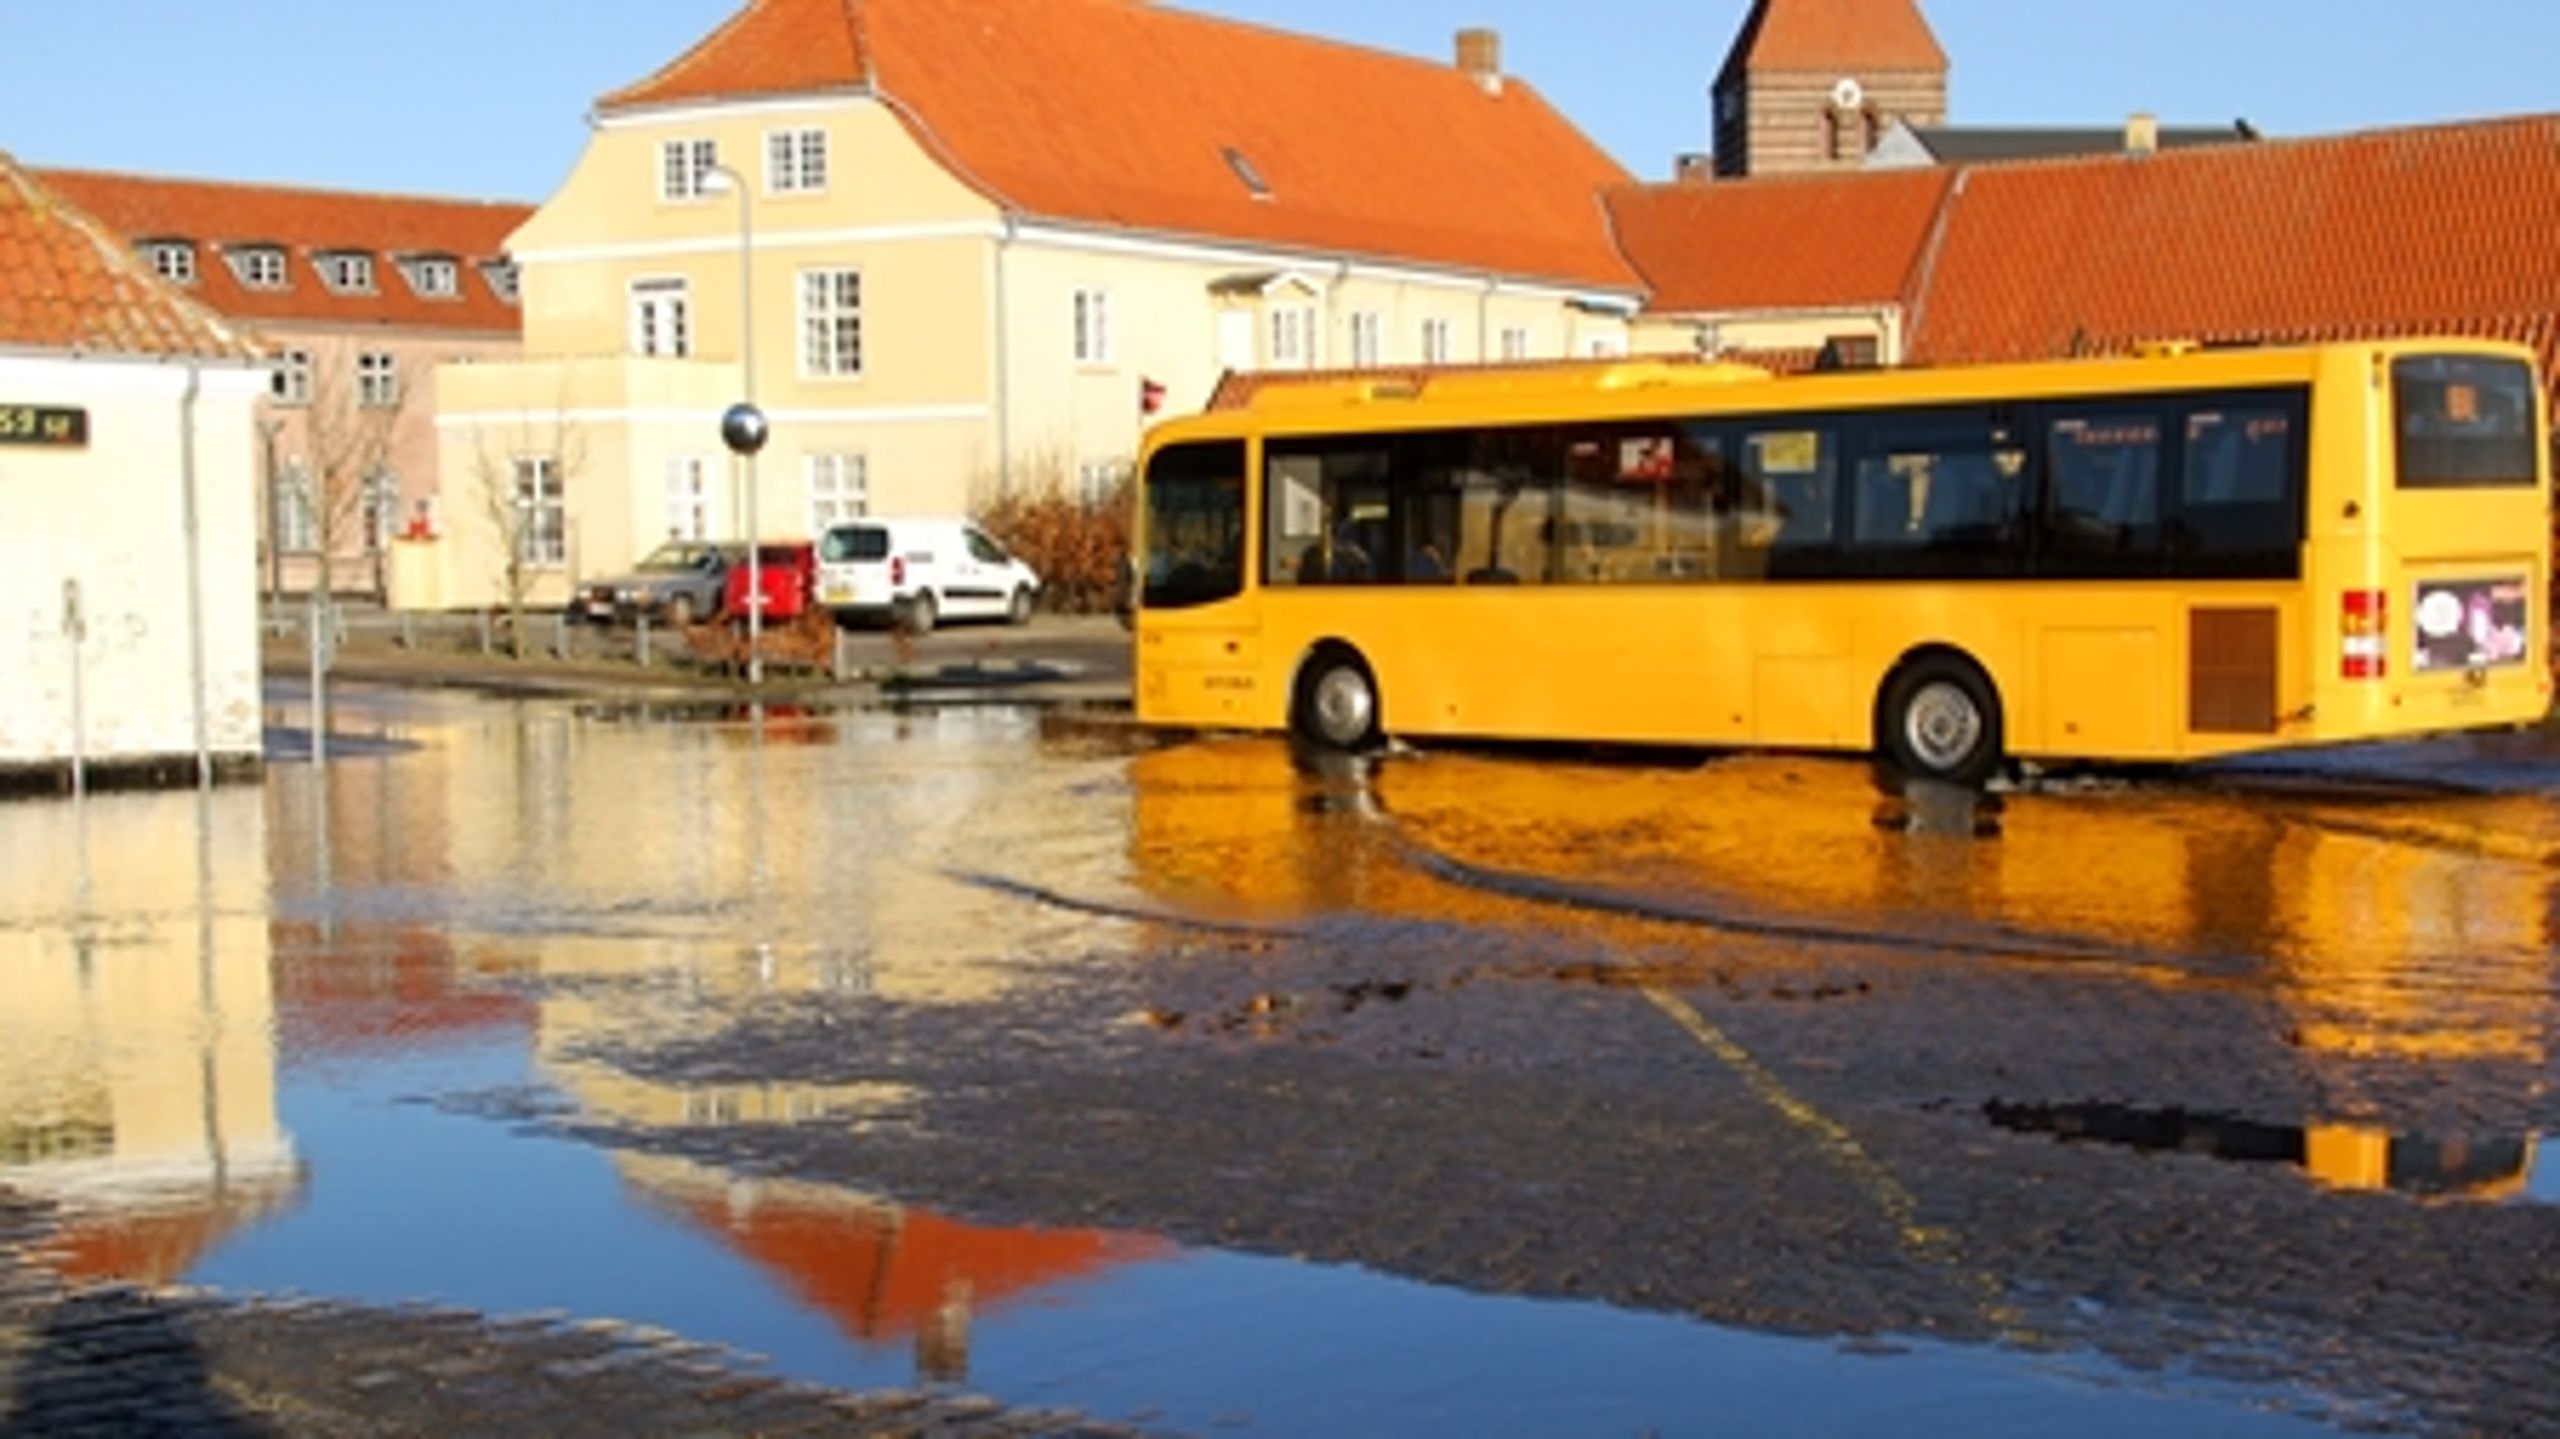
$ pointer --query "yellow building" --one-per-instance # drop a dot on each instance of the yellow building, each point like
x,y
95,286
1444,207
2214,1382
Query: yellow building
x,y
983,239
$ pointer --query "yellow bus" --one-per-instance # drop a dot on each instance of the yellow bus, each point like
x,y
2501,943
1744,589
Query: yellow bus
x,y
2180,554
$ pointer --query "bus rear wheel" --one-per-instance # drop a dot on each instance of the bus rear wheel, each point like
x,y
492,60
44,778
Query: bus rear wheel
x,y
1939,720
1337,703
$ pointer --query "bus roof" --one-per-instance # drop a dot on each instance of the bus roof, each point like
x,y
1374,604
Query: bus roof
x,y
1424,399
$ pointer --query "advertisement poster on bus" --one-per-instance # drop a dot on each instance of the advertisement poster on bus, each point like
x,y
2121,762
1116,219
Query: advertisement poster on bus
x,y
2469,624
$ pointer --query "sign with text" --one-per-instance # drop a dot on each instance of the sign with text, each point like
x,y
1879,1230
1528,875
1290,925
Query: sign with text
x,y
43,425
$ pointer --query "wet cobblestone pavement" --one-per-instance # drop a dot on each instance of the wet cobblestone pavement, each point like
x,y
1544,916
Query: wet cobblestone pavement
x,y
1197,1087
117,1360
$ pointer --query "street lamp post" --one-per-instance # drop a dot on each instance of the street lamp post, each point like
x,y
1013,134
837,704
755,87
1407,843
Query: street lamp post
x,y
743,427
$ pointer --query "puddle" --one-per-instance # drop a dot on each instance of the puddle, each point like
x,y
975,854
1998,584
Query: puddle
x,y
2504,1168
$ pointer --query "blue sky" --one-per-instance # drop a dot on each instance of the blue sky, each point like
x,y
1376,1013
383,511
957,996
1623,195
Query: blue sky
x,y
489,97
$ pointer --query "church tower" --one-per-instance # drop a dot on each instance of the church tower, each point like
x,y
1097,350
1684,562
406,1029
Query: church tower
x,y
1813,84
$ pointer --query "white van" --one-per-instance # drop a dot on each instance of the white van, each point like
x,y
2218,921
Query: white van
x,y
920,572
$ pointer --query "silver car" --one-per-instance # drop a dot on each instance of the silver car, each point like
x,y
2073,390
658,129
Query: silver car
x,y
679,583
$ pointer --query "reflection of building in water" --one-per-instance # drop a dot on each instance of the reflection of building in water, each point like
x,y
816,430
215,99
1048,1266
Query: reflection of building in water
x,y
882,1272
137,1049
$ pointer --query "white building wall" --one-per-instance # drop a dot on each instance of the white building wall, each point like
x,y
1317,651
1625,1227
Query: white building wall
x,y
109,517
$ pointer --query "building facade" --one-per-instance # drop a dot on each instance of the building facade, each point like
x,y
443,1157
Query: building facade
x,y
357,298
961,248
1817,84
129,651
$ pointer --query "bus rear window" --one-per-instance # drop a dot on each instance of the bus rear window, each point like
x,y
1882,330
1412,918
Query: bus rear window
x,y
2464,422
1194,525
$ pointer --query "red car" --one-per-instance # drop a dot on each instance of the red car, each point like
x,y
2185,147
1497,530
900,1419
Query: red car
x,y
787,576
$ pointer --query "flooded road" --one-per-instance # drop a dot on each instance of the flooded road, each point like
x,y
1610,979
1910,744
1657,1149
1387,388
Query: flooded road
x,y
1202,1087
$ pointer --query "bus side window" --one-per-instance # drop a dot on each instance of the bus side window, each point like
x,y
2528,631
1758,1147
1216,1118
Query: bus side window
x,y
2102,493
2241,489
1789,509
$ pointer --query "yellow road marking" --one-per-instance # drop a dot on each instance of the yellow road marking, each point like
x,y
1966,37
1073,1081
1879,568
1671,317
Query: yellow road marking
x,y
1926,1242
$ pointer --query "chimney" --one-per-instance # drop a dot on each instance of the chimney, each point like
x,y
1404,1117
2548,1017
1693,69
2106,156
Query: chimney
x,y
1480,56
1690,167
2142,134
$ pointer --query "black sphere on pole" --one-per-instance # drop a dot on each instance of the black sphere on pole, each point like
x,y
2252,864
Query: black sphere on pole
x,y
744,429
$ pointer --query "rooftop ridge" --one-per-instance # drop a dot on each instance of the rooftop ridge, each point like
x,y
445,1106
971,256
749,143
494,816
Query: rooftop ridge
x,y
277,187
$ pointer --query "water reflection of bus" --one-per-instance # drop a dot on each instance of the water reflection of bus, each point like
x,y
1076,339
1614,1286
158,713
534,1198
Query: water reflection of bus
x,y
2152,559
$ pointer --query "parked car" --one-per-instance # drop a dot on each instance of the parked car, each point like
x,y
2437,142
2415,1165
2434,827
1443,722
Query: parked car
x,y
919,572
681,582
785,572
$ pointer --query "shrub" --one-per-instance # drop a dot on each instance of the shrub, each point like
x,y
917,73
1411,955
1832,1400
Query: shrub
x,y
1081,550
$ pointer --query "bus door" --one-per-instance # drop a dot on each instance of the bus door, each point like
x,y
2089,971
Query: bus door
x,y
1199,658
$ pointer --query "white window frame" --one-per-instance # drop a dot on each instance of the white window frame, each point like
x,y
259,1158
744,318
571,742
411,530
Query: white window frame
x,y
1368,339
1293,337
684,169
293,513
1093,326
795,161
1607,347
661,308
381,505
1515,342
505,280
436,278
1096,479
538,493
691,495
839,488
378,380
293,378
349,272
1435,340
172,260
830,323
261,267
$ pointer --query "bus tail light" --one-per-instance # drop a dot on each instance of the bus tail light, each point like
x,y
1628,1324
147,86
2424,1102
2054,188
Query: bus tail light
x,y
2364,630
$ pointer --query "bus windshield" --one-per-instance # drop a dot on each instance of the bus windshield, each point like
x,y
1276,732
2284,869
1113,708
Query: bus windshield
x,y
1195,525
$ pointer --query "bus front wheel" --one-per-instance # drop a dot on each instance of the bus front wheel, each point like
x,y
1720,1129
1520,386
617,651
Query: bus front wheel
x,y
1338,702
1940,720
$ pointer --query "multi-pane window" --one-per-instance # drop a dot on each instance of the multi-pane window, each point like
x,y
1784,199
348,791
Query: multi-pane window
x,y
347,271
1292,337
175,260
1093,327
435,278
1435,341
1368,343
1515,342
839,490
661,318
795,161
293,378
377,380
684,168
688,498
542,513
502,278
260,267
290,511
1098,481
831,322
381,507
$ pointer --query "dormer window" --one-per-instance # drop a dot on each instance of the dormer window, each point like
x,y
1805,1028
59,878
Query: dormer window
x,y
502,278
260,267
173,260
436,277
1247,172
349,272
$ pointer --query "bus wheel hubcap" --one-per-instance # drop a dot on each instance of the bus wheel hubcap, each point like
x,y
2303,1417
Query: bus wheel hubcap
x,y
1944,725
1344,705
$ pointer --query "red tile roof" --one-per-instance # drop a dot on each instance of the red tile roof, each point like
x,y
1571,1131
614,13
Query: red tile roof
x,y
2442,228
1835,37
1791,242
214,215
1124,114
67,283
